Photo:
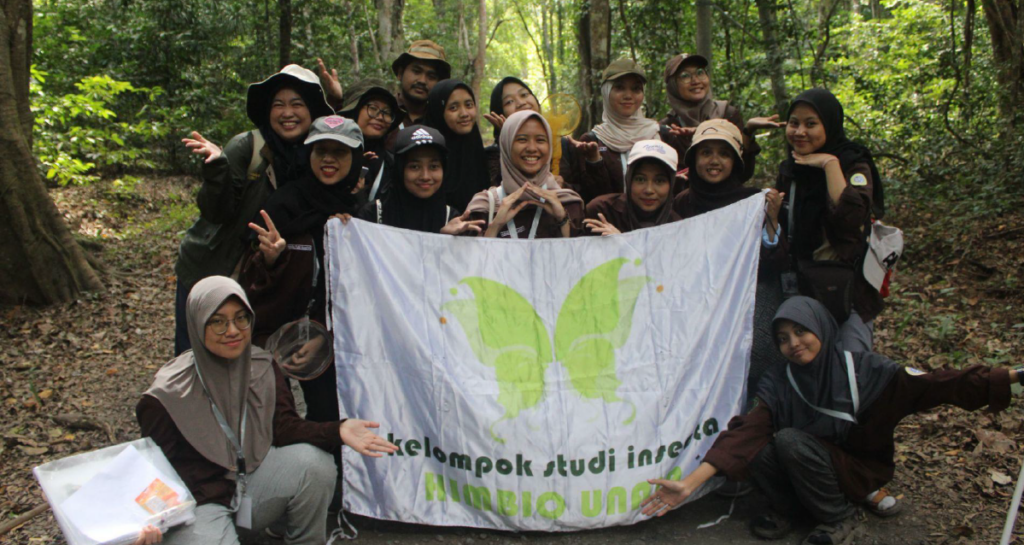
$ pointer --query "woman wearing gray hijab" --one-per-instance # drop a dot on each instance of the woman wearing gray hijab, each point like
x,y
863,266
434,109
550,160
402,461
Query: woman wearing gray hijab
x,y
224,416
819,440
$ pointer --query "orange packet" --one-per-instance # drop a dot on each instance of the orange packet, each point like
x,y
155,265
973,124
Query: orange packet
x,y
157,497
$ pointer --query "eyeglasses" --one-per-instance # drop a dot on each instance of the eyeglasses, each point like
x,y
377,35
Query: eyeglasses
x,y
699,73
375,111
220,325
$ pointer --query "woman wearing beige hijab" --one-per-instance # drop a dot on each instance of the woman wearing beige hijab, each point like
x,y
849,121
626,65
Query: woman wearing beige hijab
x,y
528,203
224,416
595,165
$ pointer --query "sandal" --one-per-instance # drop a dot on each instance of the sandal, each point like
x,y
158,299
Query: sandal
x,y
883,504
770,526
842,533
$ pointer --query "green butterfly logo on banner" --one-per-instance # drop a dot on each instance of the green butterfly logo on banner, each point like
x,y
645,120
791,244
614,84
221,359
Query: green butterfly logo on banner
x,y
505,333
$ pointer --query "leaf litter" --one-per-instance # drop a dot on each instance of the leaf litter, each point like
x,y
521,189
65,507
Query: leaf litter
x,y
70,374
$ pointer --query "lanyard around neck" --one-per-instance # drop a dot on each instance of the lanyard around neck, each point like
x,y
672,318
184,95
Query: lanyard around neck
x,y
854,392
236,442
376,182
512,223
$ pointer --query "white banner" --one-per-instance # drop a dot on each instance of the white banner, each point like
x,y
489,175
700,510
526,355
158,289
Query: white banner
x,y
538,385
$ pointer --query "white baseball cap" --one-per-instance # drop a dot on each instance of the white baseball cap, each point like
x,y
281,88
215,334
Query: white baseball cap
x,y
884,250
654,149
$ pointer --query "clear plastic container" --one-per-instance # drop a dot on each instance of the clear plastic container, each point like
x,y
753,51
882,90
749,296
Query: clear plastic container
x,y
60,479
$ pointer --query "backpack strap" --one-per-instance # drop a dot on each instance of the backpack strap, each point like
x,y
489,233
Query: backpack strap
x,y
256,160
447,213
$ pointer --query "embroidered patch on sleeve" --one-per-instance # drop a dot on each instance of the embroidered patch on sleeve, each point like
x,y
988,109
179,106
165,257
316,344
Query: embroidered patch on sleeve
x,y
913,372
859,180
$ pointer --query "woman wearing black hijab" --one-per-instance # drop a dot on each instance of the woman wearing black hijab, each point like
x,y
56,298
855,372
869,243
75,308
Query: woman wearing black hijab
x,y
647,201
285,278
509,96
376,112
820,438
452,110
832,188
238,179
416,200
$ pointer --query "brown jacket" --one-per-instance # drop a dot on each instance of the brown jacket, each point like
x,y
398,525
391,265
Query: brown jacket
x,y
208,481
591,180
845,239
279,294
864,462
614,209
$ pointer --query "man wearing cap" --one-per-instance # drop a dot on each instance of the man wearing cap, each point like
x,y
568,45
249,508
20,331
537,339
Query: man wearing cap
x,y
418,69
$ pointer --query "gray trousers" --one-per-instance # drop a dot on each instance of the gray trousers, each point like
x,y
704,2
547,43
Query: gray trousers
x,y
795,472
855,334
296,481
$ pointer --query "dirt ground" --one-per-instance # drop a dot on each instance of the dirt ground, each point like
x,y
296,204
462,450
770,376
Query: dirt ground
x,y
70,376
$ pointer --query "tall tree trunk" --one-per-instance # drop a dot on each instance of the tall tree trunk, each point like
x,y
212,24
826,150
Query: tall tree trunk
x,y
353,47
583,70
390,33
595,50
704,29
40,261
776,73
284,49
481,49
1006,26
549,48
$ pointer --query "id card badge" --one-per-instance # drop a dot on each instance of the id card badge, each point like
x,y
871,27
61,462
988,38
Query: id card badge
x,y
243,517
789,285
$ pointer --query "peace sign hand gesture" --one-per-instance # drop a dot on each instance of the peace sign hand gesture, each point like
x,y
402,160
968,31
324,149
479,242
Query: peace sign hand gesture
x,y
271,243
202,146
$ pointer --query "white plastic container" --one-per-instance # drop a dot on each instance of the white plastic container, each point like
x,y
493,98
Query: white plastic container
x,y
61,479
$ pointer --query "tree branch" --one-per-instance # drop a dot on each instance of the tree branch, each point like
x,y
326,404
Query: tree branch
x,y
495,31
536,46
629,31
732,21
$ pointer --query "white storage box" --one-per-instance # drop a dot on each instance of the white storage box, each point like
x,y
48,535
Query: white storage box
x,y
105,497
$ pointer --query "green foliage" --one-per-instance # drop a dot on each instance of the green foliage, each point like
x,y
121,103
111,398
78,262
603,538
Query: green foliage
x,y
77,135
900,73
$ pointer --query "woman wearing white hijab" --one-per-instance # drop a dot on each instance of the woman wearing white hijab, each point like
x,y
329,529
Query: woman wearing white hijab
x,y
224,416
527,183
596,164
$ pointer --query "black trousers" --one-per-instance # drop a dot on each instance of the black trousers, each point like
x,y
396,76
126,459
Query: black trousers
x,y
795,472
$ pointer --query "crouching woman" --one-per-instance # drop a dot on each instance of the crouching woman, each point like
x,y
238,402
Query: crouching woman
x,y
819,440
224,416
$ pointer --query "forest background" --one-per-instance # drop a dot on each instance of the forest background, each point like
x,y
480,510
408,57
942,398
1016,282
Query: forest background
x,y
933,87
96,188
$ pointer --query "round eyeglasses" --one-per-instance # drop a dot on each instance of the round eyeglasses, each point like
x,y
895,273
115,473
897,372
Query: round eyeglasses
x,y
220,325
